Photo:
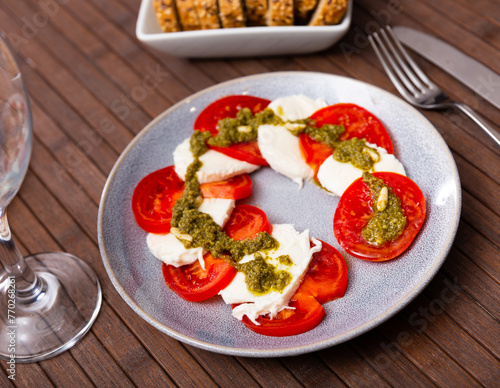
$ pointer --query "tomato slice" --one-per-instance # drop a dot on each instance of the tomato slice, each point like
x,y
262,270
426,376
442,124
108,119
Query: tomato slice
x,y
237,187
248,152
326,277
154,197
313,152
306,314
354,210
246,221
193,283
358,122
229,106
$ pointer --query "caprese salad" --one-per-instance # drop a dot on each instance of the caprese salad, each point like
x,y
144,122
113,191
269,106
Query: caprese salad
x,y
275,277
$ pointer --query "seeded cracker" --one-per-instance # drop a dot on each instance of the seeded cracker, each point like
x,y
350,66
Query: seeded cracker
x,y
208,12
232,13
167,15
188,16
280,13
328,12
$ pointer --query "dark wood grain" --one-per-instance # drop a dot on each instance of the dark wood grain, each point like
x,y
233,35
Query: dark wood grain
x,y
93,87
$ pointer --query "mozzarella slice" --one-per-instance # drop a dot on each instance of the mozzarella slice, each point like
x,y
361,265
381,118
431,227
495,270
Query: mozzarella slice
x,y
170,250
218,208
278,146
282,151
337,176
296,107
216,166
292,243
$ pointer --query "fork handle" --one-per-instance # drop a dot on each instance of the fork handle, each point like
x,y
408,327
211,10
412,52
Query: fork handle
x,y
474,116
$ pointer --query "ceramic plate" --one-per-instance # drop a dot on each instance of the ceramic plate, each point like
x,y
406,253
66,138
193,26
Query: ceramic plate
x,y
238,42
376,291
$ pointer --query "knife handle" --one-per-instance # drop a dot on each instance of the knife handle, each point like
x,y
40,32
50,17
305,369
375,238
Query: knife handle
x,y
474,116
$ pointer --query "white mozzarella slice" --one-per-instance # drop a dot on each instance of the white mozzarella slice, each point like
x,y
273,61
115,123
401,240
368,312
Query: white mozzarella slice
x,y
296,107
336,176
170,250
282,151
216,166
292,243
218,208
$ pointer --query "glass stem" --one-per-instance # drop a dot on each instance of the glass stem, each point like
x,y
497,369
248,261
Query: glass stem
x,y
27,283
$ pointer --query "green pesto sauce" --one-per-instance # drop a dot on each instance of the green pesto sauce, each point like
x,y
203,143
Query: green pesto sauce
x,y
285,260
243,128
197,143
385,225
261,277
356,152
202,229
327,134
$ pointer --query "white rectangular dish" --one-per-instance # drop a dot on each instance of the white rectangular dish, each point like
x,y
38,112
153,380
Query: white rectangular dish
x,y
238,42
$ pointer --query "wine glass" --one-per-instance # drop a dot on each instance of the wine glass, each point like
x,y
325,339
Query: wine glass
x,y
48,301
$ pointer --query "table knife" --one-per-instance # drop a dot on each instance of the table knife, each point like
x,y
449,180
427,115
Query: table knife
x,y
475,75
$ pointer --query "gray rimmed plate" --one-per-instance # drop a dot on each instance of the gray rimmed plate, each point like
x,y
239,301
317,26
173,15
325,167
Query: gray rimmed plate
x,y
376,291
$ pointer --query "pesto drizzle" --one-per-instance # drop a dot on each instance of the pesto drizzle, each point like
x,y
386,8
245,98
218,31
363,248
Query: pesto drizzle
x,y
327,134
356,152
389,220
243,128
262,277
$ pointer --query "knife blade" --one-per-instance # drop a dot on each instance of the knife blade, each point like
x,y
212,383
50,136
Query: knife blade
x,y
478,77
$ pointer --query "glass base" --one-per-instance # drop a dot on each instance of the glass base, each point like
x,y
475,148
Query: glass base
x,y
37,328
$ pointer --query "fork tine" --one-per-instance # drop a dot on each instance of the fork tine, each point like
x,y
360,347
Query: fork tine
x,y
418,71
398,78
399,51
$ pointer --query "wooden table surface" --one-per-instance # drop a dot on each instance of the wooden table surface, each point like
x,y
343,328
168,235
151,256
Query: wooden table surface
x,y
82,62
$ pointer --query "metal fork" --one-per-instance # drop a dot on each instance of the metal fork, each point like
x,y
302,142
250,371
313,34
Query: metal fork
x,y
412,82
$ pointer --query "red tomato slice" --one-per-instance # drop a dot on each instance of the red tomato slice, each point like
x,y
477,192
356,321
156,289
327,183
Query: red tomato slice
x,y
248,152
313,151
228,107
246,221
306,314
326,278
237,187
193,283
354,210
153,199
358,122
